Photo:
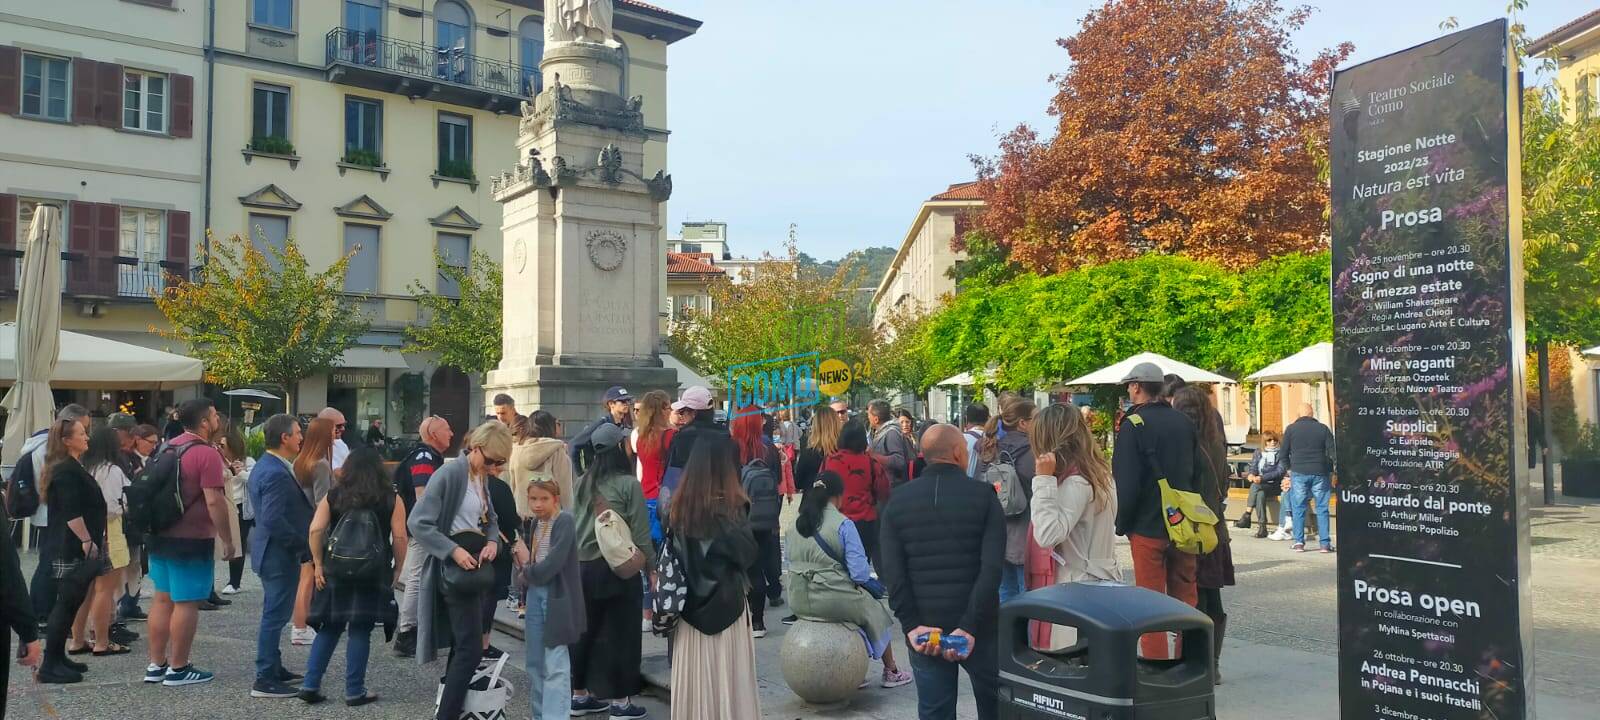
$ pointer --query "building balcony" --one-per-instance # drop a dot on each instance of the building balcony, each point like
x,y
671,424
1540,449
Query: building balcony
x,y
418,70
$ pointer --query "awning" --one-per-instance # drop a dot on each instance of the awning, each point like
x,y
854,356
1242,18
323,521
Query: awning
x,y
1593,351
367,356
253,393
1113,374
962,380
687,376
94,362
1313,364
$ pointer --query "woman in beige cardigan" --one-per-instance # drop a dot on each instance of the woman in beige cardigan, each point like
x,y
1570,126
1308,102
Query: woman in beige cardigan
x,y
538,455
1074,509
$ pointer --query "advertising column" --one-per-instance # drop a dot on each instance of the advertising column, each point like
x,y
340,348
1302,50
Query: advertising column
x,y
1434,616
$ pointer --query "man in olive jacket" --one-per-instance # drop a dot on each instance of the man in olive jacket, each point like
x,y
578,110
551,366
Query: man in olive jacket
x,y
943,542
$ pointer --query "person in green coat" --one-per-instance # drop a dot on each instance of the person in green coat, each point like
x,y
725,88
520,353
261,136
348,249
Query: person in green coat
x,y
830,579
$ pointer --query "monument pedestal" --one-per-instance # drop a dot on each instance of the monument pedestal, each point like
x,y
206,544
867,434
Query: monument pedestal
x,y
581,226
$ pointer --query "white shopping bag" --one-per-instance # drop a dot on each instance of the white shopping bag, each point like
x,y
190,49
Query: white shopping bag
x,y
488,703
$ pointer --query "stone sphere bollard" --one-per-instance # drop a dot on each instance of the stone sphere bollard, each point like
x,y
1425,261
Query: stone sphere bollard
x,y
823,663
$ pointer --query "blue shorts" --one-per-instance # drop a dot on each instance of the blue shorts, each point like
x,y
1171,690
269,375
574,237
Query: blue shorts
x,y
186,579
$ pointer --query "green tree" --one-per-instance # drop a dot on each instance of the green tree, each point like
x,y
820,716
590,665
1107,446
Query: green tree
x,y
902,360
987,262
251,319
465,329
1560,232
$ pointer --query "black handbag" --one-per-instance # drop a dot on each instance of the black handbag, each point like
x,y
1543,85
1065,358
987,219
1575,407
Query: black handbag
x,y
457,581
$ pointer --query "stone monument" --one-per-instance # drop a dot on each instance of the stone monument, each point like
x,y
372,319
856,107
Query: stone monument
x,y
581,221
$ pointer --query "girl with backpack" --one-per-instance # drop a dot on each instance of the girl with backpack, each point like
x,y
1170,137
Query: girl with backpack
x,y
352,571
866,485
1005,442
830,578
758,476
555,617
713,648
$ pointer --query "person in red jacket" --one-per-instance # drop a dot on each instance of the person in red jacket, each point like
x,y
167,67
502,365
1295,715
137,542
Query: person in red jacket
x,y
866,485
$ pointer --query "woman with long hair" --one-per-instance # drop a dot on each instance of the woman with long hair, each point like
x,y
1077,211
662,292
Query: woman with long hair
x,y
455,522
758,473
103,461
787,438
236,468
821,442
356,604
78,521
830,579
713,648
234,480
605,660
1005,441
908,430
313,469
1074,511
1213,570
652,435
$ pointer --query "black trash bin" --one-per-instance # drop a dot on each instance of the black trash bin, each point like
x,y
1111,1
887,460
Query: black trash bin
x,y
1101,677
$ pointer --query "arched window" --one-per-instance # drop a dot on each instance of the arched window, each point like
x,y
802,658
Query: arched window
x,y
452,30
530,48
622,47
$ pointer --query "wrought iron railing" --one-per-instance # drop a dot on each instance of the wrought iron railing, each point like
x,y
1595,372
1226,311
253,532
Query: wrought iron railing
x,y
142,280
452,65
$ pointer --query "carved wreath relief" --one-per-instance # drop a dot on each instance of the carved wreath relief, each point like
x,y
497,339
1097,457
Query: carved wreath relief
x,y
607,248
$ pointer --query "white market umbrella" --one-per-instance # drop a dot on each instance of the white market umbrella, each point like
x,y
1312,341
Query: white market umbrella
x,y
88,361
252,392
1313,364
1113,374
29,405
961,380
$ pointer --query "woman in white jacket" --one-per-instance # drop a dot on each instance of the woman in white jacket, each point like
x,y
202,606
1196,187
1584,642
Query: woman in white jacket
x,y
1074,512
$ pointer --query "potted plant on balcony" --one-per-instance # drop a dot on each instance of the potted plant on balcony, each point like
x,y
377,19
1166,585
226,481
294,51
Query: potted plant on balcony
x,y
1580,466
271,145
363,157
459,169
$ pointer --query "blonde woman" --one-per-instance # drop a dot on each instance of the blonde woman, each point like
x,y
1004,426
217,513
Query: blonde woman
x,y
824,441
1074,511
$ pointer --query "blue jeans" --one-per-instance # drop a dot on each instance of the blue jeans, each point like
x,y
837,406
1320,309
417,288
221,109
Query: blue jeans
x,y
549,669
355,657
1013,581
277,605
1319,489
937,686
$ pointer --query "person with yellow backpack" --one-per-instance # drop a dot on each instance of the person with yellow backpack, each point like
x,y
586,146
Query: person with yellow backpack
x,y
1155,462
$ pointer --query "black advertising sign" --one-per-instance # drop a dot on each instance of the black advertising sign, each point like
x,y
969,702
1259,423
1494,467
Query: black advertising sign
x,y
1434,617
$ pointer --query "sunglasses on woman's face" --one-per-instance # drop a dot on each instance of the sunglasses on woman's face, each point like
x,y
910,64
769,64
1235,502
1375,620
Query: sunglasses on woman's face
x,y
489,461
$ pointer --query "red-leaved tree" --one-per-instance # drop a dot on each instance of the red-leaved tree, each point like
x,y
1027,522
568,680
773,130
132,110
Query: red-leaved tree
x,y
1185,127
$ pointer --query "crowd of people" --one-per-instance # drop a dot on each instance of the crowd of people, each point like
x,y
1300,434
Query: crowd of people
x,y
653,517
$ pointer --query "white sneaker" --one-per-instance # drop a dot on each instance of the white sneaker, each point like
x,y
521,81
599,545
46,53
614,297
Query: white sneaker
x,y
759,632
230,590
302,636
1278,534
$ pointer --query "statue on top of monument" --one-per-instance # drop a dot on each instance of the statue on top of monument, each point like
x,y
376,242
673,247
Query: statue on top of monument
x,y
584,21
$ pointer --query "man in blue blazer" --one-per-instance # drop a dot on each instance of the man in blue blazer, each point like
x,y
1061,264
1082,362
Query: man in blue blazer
x,y
278,546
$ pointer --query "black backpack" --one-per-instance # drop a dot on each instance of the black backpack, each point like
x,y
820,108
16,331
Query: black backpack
x,y
358,547
762,489
155,499
22,499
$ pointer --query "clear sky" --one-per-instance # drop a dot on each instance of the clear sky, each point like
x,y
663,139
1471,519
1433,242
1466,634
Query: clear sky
x,y
842,116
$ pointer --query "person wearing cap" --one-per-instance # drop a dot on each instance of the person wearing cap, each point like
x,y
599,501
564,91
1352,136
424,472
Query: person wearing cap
x,y
695,400
1169,437
619,412
606,659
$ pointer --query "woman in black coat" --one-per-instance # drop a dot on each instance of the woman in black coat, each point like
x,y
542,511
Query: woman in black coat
x,y
78,522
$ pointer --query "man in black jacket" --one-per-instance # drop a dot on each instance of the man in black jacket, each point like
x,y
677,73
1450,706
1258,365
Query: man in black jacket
x,y
943,542
1154,441
16,609
619,412
1307,450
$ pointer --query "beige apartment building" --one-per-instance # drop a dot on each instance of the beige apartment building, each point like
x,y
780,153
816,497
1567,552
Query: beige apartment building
x,y
360,127
102,115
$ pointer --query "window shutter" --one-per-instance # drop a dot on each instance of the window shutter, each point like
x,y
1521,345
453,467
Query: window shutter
x,y
8,241
104,261
80,241
10,80
108,87
182,106
83,91
178,243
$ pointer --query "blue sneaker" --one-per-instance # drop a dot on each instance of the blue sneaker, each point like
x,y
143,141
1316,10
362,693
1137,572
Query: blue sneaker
x,y
628,711
589,705
186,675
154,673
